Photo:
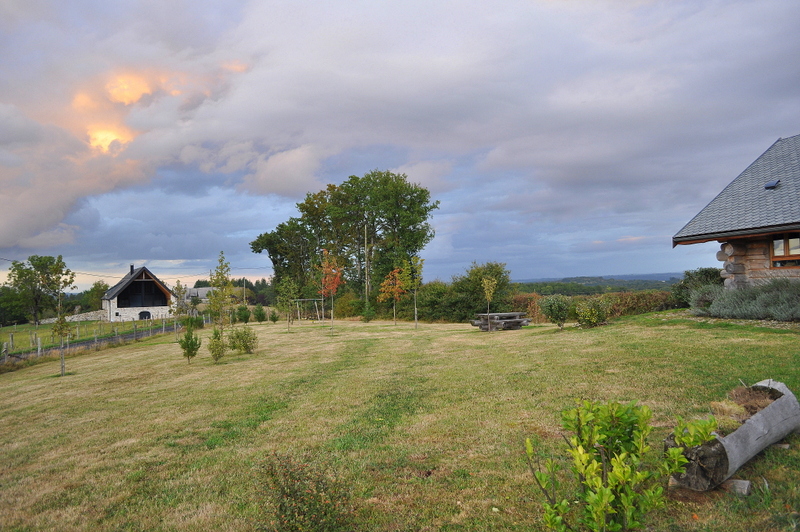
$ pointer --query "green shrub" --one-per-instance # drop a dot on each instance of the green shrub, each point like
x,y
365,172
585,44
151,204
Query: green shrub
x,y
299,494
190,344
778,299
193,322
608,451
639,302
243,339
591,312
259,314
216,345
368,314
556,309
693,280
243,314
273,316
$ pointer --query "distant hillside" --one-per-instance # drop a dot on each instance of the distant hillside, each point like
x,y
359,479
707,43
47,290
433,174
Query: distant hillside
x,y
600,285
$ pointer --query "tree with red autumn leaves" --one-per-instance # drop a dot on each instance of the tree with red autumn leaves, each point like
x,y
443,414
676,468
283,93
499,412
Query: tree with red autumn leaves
x,y
331,278
393,288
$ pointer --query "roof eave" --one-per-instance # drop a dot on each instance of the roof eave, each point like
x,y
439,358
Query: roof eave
x,y
740,233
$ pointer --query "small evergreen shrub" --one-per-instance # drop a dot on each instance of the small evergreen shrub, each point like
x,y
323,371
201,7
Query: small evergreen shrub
x,y
368,314
259,314
190,344
243,314
273,316
243,339
299,494
556,309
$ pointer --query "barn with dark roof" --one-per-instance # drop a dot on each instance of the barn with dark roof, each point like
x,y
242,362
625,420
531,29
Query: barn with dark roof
x,y
139,295
756,218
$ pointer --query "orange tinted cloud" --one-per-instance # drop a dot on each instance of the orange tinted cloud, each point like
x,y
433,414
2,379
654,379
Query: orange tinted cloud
x,y
102,137
128,89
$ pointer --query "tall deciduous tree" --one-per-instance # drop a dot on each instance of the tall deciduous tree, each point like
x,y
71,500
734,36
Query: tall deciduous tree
x,y
371,223
38,281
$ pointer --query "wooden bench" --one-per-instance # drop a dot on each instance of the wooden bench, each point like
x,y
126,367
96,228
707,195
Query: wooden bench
x,y
500,321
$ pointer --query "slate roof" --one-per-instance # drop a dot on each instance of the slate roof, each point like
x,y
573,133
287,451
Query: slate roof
x,y
745,207
115,290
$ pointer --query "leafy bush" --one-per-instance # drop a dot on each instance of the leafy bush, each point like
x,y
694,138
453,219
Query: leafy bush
x,y
634,303
608,450
529,304
190,343
243,339
694,280
243,314
591,312
259,314
556,309
193,322
216,345
299,494
368,314
778,299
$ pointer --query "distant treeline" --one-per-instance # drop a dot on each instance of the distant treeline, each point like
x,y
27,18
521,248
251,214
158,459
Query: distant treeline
x,y
575,286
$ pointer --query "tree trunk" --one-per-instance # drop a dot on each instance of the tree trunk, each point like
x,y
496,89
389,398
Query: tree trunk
x,y
714,462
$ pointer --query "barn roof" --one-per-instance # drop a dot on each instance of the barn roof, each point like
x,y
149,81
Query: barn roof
x,y
763,199
135,273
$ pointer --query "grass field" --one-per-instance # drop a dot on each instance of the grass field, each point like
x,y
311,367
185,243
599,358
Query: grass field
x,y
426,426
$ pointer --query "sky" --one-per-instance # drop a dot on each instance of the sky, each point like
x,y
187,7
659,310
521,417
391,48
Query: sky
x,y
562,138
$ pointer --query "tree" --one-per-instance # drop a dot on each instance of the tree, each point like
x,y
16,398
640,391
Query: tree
x,y
92,299
331,278
370,223
12,308
219,305
259,314
489,285
37,282
181,306
411,274
190,344
243,314
287,292
467,291
392,288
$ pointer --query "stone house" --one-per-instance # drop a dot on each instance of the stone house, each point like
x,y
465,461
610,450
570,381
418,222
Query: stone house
x,y
756,219
140,295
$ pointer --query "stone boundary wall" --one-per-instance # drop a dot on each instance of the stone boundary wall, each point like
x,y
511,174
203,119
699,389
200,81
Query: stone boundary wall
x,y
95,315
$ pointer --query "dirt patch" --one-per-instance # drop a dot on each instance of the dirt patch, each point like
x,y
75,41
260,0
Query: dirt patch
x,y
753,400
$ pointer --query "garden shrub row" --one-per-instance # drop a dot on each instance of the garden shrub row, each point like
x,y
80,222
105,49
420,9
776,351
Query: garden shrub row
x,y
777,299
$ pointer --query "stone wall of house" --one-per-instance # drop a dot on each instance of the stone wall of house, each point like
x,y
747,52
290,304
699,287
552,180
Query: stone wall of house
x,y
113,313
748,262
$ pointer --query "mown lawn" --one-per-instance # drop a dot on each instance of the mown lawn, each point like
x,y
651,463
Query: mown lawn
x,y
426,426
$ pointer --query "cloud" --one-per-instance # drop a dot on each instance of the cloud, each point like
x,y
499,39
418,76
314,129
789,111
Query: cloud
x,y
288,173
543,127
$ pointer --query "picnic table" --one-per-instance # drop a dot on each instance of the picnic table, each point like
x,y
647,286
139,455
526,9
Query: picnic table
x,y
499,321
